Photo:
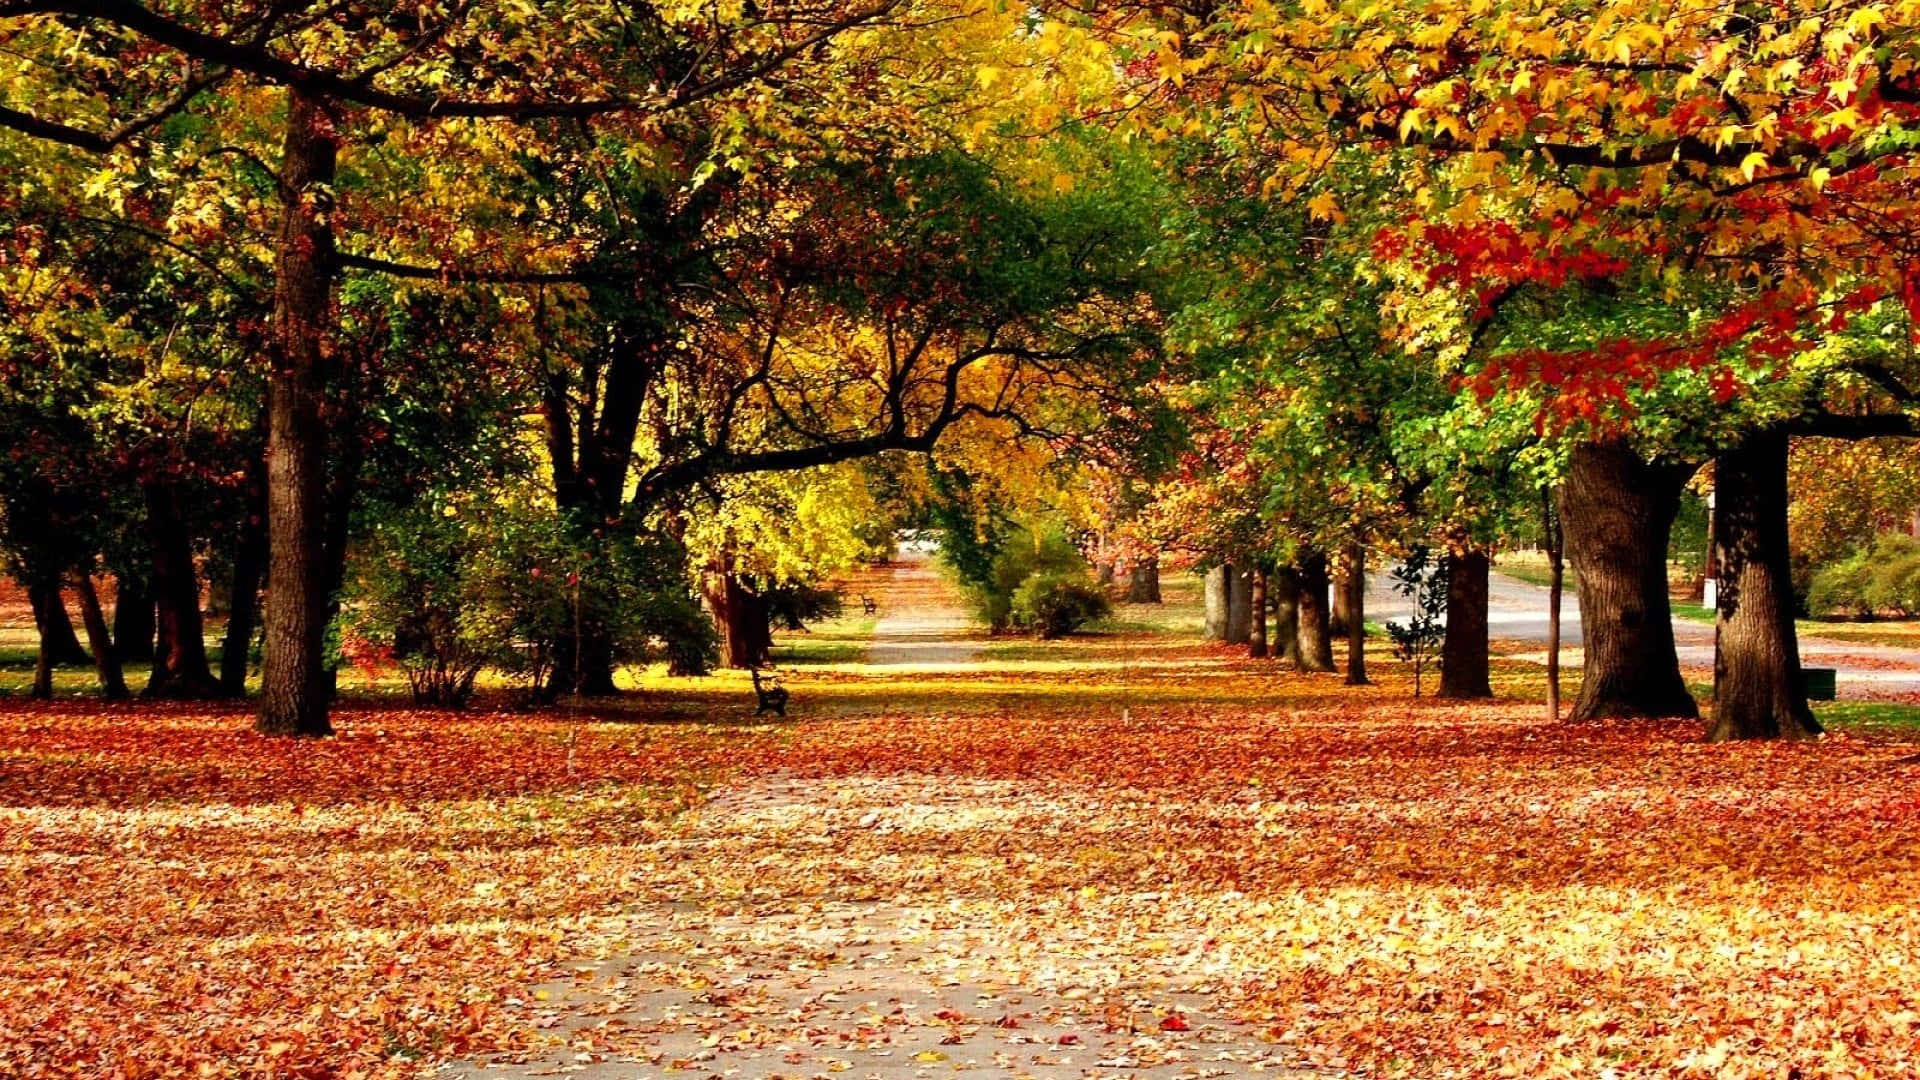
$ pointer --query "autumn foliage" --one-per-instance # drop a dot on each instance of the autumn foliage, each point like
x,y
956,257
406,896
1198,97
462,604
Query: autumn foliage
x,y
1361,881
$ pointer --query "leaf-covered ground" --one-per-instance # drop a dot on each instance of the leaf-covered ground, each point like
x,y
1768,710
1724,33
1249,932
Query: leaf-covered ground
x,y
1142,826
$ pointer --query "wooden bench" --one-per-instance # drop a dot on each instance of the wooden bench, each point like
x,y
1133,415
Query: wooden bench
x,y
773,696
868,605
1818,683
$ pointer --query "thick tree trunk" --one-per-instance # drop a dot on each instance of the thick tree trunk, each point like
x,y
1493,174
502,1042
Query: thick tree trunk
x,y
1463,654
1314,637
1143,583
180,668
106,659
1354,582
133,619
1618,512
1214,621
1103,575
1257,638
293,678
1239,606
1283,587
243,606
741,615
58,643
1757,687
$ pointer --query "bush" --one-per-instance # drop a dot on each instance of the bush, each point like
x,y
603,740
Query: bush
x,y
1055,603
457,589
1880,578
1024,554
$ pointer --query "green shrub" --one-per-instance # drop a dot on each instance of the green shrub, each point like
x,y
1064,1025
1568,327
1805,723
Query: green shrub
x,y
1055,603
1880,578
448,589
1024,554
1893,575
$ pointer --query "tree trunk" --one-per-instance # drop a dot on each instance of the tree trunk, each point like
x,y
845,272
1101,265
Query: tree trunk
x,y
1618,511
1463,655
180,669
741,615
1355,582
342,489
42,674
1239,606
243,606
1143,584
106,660
1103,575
58,643
133,619
1757,687
1337,620
592,453
293,697
1556,585
1283,587
1214,622
1314,637
1257,639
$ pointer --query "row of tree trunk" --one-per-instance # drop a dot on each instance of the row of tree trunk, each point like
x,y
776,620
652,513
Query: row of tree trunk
x,y
1311,607
156,619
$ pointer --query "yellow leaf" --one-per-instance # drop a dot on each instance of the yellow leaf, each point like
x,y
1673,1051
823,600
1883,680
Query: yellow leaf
x,y
1752,164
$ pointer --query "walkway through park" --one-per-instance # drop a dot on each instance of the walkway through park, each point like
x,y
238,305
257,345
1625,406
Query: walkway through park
x,y
765,975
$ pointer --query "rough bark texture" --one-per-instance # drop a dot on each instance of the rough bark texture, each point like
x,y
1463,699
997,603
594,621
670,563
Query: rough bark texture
x,y
1757,687
1214,621
133,618
1618,512
1314,637
1143,582
1257,636
1283,590
106,660
58,643
741,614
1463,654
1239,606
1354,584
180,669
293,691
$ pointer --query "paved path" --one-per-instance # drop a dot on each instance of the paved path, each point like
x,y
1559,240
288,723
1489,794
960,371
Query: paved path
x,y
922,624
761,975
1517,612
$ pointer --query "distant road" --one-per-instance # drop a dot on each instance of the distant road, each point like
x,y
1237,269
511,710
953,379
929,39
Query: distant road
x,y
1517,612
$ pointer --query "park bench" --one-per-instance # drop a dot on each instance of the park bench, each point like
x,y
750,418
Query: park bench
x,y
773,696
868,605
1818,683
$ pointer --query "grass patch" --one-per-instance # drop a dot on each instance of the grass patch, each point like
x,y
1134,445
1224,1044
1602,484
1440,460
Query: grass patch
x,y
1868,716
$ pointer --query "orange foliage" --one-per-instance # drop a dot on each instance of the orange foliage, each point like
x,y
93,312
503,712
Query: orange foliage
x,y
1419,889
